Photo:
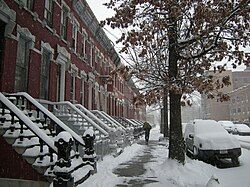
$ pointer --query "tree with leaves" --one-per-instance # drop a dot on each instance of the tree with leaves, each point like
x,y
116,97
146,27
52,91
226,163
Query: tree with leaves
x,y
172,44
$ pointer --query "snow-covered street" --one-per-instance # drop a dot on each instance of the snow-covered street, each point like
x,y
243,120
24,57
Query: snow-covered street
x,y
168,172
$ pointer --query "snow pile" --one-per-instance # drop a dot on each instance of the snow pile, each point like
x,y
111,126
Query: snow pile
x,y
168,171
104,176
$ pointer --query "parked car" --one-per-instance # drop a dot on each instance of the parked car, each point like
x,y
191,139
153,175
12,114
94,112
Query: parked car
x,y
241,129
208,140
228,125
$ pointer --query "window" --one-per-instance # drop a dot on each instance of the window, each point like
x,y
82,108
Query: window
x,y
74,36
83,46
29,4
92,56
88,51
48,12
44,75
64,23
21,72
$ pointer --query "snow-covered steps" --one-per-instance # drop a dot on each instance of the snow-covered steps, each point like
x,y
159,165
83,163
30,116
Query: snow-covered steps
x,y
30,130
21,144
120,132
79,122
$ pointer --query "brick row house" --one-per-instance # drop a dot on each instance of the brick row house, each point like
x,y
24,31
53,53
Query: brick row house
x,y
237,108
56,50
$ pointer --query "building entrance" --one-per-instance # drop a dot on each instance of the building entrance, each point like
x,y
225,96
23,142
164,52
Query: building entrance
x,y
2,44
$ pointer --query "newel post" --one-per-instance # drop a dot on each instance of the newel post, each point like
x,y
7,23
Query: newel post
x,y
63,142
89,156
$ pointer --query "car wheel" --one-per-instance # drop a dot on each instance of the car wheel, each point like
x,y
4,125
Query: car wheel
x,y
235,161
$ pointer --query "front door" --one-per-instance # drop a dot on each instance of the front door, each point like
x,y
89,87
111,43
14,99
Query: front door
x,y
2,43
58,82
60,76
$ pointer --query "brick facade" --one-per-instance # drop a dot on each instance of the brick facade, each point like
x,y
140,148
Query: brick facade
x,y
96,59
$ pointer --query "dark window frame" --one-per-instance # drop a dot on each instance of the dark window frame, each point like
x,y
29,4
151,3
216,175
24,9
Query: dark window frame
x,y
63,23
22,65
48,12
45,74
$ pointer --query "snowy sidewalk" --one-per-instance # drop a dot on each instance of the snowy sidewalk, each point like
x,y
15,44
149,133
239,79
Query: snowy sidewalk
x,y
133,172
147,165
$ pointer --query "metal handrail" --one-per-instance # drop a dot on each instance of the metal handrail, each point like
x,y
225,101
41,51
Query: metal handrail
x,y
113,120
79,112
50,115
92,116
28,123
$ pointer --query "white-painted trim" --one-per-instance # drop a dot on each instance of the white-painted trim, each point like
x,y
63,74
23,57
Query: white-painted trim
x,y
47,47
91,77
8,16
83,75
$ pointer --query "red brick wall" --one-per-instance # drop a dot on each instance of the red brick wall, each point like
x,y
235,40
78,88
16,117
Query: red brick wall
x,y
13,166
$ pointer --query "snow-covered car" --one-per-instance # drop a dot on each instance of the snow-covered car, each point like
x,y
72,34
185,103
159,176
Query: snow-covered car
x,y
241,129
208,140
228,125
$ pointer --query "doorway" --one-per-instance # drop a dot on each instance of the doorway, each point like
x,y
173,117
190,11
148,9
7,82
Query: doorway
x,y
58,82
2,44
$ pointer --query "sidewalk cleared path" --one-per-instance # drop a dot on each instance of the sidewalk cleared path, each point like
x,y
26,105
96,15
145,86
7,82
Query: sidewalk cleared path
x,y
132,172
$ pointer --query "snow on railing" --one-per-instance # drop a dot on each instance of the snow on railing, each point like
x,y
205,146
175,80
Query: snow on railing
x,y
67,103
133,123
113,120
109,119
99,114
91,115
136,122
79,112
50,115
28,123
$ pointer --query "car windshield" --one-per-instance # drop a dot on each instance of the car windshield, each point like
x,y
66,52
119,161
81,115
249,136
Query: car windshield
x,y
226,123
241,126
207,126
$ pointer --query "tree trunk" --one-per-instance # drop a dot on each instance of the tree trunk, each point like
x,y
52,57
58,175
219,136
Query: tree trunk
x,y
162,121
176,142
165,116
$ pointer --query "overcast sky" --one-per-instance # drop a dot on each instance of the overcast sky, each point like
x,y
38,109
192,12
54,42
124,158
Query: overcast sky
x,y
100,11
